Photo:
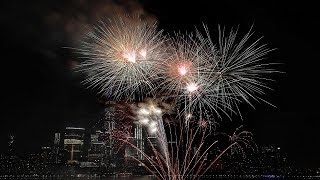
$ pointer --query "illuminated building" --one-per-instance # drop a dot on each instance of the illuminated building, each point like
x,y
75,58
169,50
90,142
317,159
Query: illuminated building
x,y
108,127
73,144
137,139
97,148
10,143
56,147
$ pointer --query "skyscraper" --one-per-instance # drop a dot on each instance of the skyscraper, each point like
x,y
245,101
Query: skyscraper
x,y
73,144
10,143
108,127
137,139
56,147
97,148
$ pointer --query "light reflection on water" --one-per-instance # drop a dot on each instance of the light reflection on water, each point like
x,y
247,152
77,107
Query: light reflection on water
x,y
9,177
114,178
218,177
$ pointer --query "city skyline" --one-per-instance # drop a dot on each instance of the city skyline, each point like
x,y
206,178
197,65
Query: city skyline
x,y
42,94
93,156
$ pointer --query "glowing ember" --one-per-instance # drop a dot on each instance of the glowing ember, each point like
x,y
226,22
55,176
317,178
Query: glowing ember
x,y
182,70
143,53
153,124
191,87
130,56
153,130
144,121
203,123
144,111
157,110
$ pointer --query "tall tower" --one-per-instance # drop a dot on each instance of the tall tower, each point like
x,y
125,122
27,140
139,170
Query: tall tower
x,y
97,148
139,137
108,127
10,143
56,147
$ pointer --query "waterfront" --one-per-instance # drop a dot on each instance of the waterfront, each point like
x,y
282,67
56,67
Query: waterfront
x,y
137,177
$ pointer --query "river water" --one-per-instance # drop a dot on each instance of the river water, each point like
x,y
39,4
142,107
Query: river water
x,y
93,177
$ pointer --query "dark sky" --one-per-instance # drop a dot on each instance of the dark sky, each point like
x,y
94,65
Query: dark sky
x,y
40,94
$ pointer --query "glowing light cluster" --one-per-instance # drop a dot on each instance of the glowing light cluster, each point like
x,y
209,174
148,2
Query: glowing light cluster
x,y
143,53
192,87
183,70
149,115
130,56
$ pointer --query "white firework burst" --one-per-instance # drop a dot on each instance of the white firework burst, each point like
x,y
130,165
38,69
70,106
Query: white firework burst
x,y
187,76
207,78
120,58
129,60
237,71
179,66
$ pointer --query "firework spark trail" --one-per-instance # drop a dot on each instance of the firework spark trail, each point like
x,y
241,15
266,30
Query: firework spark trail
x,y
185,76
120,58
238,65
213,79
188,153
150,115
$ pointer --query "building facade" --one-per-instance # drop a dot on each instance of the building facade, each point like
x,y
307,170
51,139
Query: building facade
x,y
73,144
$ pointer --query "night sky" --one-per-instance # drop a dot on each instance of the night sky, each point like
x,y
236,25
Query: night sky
x,y
40,94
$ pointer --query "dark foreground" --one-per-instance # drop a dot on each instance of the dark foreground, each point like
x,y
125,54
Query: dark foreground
x,y
121,177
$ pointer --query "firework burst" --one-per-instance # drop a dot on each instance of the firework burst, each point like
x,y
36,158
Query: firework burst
x,y
237,68
180,65
120,58
213,79
128,60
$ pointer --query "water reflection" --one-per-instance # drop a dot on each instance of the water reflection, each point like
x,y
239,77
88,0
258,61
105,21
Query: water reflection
x,y
112,178
93,177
